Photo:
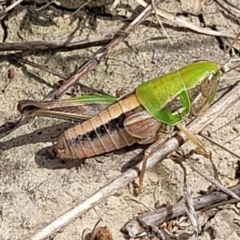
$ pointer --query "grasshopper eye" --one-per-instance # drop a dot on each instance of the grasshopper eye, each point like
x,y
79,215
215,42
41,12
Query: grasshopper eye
x,y
209,85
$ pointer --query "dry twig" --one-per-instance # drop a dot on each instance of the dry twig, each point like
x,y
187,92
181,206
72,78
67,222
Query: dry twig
x,y
218,185
183,23
133,227
160,22
92,89
219,145
67,43
230,8
9,8
101,53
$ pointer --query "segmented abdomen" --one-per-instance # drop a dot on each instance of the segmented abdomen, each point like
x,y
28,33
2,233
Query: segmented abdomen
x,y
102,133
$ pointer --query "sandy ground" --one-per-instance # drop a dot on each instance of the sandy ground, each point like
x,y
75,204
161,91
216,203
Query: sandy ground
x,y
35,188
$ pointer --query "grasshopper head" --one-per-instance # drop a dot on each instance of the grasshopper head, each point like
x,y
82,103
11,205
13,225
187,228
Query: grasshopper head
x,y
203,94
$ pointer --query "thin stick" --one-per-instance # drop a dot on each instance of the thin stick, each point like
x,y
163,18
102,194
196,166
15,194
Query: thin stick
x,y
233,42
219,145
9,8
183,23
133,227
160,22
221,187
230,8
92,89
101,53
45,6
67,43
127,177
79,8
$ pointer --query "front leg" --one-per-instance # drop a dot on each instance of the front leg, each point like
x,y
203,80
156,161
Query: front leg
x,y
146,130
159,139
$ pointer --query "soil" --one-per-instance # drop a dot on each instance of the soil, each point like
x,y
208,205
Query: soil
x,y
36,188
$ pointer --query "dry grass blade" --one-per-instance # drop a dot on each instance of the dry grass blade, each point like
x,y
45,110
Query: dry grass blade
x,y
190,209
127,177
160,22
219,145
79,8
180,22
232,43
9,8
221,187
218,185
230,8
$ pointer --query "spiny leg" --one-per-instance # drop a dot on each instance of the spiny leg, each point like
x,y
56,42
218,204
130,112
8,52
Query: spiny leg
x,y
145,129
151,149
161,140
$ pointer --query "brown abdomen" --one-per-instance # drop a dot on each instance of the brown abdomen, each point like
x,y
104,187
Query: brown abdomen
x,y
100,134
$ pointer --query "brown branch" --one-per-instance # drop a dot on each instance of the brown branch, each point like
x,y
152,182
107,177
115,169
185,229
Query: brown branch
x,y
133,227
101,53
68,43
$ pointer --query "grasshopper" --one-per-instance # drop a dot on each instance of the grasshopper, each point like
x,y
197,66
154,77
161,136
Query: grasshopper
x,y
141,116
